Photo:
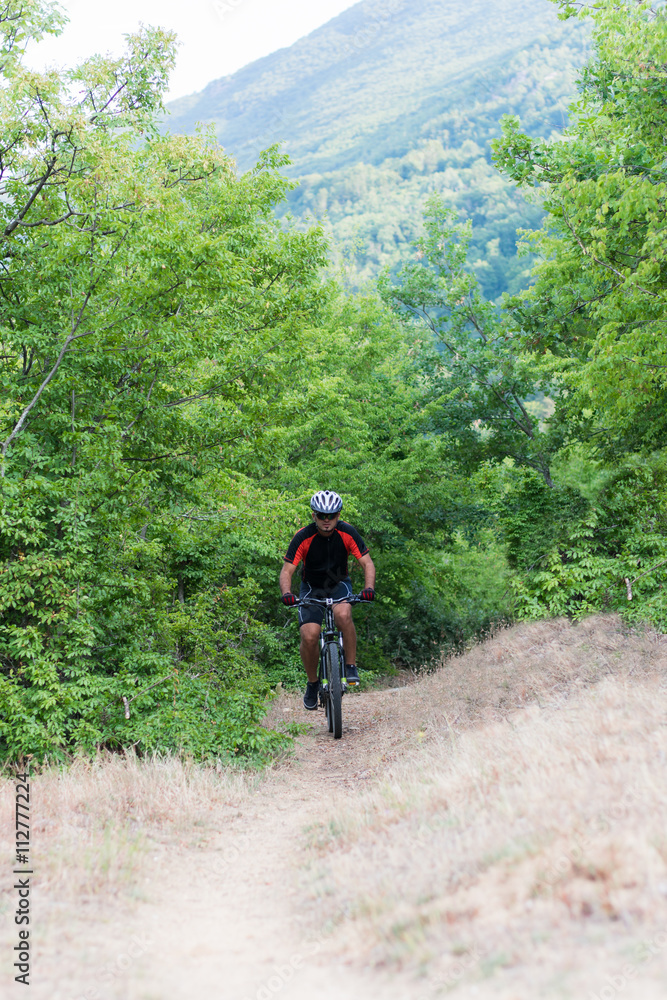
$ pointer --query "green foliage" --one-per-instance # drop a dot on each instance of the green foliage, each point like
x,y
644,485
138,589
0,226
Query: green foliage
x,y
359,428
599,295
178,376
532,517
609,555
597,302
150,315
546,399
479,383
455,592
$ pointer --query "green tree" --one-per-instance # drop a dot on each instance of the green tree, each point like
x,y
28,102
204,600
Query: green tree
x,y
151,308
362,426
480,381
600,293
598,302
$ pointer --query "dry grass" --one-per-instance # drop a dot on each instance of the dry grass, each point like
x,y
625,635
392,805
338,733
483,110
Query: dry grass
x,y
533,663
498,826
91,822
527,830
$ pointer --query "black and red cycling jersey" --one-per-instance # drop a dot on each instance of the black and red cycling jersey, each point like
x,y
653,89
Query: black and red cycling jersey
x,y
325,559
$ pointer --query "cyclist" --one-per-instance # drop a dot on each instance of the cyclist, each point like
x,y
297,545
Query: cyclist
x,y
323,547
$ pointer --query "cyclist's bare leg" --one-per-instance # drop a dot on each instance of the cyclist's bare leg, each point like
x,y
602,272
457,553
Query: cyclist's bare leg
x,y
343,619
310,649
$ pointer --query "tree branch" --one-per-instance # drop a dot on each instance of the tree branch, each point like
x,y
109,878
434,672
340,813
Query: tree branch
x,y
603,263
16,221
24,415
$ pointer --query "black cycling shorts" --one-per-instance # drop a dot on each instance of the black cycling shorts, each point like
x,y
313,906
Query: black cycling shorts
x,y
315,613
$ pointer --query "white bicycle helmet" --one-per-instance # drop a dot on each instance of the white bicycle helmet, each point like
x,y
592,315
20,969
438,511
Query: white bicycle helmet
x,y
326,502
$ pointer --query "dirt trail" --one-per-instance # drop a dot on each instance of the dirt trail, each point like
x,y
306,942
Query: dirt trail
x,y
235,919
239,926
501,835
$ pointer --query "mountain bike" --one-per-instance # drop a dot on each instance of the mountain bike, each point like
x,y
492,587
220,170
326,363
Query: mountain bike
x,y
331,675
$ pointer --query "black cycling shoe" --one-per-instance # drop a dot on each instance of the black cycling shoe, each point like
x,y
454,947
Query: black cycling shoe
x,y
310,696
351,673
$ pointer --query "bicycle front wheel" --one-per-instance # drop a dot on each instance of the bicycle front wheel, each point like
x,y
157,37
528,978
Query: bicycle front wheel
x,y
335,706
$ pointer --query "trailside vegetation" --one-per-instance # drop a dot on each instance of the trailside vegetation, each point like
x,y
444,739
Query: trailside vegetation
x,y
596,312
555,399
180,371
151,308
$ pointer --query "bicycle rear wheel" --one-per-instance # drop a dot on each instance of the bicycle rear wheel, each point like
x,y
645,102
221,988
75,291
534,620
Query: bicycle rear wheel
x,y
334,704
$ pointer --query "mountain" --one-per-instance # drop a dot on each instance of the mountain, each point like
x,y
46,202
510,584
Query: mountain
x,y
392,100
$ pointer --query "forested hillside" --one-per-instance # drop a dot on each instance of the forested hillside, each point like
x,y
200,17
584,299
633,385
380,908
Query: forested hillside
x,y
372,209
180,371
391,101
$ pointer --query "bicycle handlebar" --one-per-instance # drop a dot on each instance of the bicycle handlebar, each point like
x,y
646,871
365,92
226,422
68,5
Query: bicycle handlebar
x,y
324,601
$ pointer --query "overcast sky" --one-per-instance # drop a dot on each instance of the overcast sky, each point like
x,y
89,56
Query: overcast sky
x,y
217,36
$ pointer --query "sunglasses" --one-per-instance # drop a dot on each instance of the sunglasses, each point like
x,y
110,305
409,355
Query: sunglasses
x,y
325,517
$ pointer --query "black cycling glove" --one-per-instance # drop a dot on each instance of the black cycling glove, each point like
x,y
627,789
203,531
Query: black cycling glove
x,y
289,600
368,594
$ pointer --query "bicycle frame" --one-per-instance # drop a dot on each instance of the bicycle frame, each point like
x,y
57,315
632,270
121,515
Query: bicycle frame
x,y
331,688
330,633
